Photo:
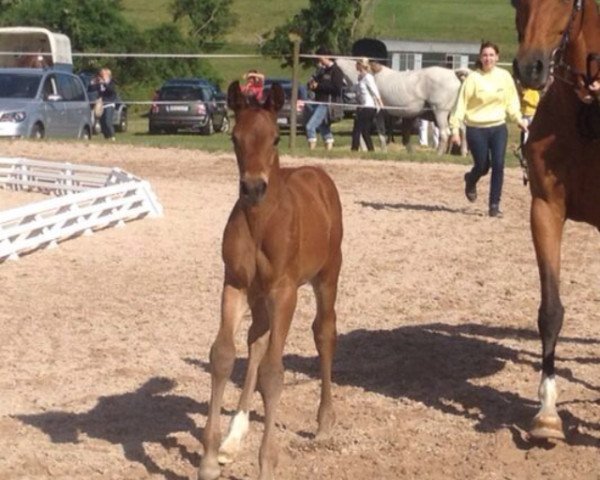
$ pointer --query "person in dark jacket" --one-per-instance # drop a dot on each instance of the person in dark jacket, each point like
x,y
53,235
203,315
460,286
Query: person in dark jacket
x,y
326,85
104,85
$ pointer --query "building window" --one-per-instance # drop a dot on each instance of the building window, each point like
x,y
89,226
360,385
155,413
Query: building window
x,y
456,61
407,61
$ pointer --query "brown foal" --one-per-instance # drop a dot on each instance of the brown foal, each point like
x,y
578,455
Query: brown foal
x,y
285,230
557,38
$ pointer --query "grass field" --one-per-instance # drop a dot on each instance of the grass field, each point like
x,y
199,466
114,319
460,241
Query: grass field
x,y
454,20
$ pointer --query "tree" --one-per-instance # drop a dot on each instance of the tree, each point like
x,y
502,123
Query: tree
x,y
327,23
100,26
210,19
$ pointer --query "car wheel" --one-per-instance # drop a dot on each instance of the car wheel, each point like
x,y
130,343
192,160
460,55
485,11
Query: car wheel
x,y
123,124
225,125
209,128
37,132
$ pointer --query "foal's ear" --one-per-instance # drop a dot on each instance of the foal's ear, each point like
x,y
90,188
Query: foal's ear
x,y
276,98
236,100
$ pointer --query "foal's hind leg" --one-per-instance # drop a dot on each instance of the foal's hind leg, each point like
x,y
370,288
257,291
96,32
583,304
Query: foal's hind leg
x,y
547,226
325,335
258,338
222,357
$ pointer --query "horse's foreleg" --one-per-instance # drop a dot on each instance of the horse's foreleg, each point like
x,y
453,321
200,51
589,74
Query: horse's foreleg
x,y
325,335
407,124
258,338
222,357
380,127
281,304
547,223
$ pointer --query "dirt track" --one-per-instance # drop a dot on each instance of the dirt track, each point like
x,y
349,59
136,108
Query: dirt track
x,y
104,340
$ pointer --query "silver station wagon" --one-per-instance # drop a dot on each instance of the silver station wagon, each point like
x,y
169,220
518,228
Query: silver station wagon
x,y
39,103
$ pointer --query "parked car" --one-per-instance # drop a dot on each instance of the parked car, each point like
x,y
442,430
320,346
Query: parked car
x,y
284,115
40,103
120,120
193,104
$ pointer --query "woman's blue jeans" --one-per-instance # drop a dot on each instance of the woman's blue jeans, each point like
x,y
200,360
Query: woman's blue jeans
x,y
318,121
488,147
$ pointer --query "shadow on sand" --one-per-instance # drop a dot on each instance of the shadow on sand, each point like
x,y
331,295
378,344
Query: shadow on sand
x,y
148,414
436,364
441,366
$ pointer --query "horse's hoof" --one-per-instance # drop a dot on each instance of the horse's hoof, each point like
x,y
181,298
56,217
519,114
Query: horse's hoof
x,y
547,427
209,471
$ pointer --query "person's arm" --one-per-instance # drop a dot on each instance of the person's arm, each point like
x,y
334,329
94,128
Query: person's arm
x,y
457,116
513,104
372,86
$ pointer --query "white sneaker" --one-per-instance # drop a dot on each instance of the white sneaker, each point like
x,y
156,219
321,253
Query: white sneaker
x,y
312,144
329,144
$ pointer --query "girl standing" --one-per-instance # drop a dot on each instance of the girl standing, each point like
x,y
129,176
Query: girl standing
x,y
370,101
487,97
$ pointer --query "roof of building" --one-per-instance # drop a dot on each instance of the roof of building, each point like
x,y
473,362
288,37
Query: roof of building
x,y
431,46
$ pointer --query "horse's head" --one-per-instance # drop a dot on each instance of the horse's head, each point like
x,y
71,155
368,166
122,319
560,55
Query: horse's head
x,y
544,27
255,138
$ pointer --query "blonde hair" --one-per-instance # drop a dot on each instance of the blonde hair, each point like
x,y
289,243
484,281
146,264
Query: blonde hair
x,y
364,63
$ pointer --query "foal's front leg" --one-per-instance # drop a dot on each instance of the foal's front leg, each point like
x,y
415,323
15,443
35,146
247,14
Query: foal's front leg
x,y
547,223
258,338
281,305
222,357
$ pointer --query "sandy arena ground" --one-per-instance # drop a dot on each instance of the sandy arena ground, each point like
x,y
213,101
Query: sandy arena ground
x,y
105,340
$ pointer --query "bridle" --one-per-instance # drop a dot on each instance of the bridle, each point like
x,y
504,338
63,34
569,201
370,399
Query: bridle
x,y
570,75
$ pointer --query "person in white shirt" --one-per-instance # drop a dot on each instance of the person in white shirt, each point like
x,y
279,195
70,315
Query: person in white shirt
x,y
370,101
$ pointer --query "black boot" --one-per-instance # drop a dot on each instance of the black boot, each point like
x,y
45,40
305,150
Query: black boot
x,y
470,188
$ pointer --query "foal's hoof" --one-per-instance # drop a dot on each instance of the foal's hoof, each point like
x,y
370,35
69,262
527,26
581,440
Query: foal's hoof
x,y
326,423
209,471
546,427
225,456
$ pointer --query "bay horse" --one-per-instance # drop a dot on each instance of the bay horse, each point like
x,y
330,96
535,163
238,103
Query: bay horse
x,y
285,230
557,39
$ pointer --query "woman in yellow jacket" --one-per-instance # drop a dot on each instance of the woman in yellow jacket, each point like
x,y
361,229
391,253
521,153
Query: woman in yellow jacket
x,y
487,97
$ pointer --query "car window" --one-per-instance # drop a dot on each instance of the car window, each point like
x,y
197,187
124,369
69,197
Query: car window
x,y
77,89
183,93
15,85
65,88
50,87
207,94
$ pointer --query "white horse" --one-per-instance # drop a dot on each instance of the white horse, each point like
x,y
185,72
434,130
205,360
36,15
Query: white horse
x,y
429,93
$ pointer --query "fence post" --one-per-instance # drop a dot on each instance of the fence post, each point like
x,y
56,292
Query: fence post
x,y
295,39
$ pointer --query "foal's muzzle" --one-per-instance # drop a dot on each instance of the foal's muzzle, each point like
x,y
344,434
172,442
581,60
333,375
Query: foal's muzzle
x,y
253,190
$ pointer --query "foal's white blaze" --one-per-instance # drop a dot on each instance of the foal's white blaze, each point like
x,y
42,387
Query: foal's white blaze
x,y
548,395
232,444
